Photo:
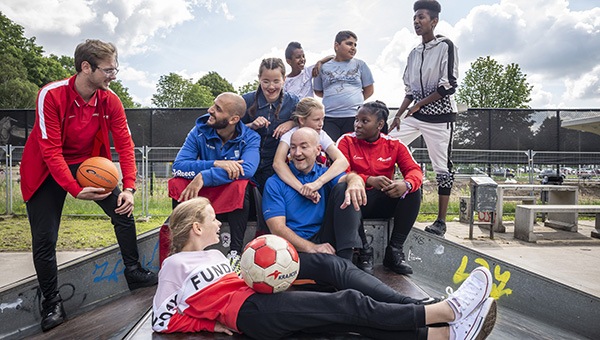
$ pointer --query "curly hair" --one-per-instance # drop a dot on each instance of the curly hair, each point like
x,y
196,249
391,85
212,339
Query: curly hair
x,y
432,6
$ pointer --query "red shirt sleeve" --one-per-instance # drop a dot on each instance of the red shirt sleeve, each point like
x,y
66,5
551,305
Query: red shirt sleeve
x,y
51,143
411,171
122,140
187,324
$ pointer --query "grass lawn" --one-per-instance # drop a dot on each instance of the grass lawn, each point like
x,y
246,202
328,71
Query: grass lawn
x,y
77,233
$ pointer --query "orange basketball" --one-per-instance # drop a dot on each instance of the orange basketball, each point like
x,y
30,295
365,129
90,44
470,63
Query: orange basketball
x,y
98,172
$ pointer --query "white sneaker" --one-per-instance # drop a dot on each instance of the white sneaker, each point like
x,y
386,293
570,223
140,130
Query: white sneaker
x,y
477,325
234,261
471,293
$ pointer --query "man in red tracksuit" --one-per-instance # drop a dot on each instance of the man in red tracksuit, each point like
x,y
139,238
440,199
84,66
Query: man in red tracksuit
x,y
74,117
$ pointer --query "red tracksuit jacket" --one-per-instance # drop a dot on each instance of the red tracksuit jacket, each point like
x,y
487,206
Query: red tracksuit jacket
x,y
43,154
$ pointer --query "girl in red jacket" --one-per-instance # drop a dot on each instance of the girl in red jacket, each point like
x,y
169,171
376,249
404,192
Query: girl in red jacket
x,y
198,291
374,156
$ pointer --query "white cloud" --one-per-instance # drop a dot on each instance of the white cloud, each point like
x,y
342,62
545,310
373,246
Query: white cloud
x,y
129,74
587,86
557,47
111,21
249,71
50,15
226,12
540,99
389,68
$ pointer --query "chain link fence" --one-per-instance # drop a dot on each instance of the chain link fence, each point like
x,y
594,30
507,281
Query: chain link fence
x,y
506,144
155,164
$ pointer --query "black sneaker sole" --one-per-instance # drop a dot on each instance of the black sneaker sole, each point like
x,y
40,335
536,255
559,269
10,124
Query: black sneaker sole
x,y
137,285
435,232
397,270
368,270
57,323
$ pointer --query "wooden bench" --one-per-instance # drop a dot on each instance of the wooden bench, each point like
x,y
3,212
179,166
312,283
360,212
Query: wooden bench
x,y
525,218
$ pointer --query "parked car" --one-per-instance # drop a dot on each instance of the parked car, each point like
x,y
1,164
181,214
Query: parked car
x,y
507,172
545,173
585,173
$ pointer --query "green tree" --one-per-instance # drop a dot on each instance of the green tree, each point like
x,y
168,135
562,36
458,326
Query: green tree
x,y
173,91
44,70
18,93
248,87
123,93
516,90
24,67
488,84
68,63
15,90
198,96
215,83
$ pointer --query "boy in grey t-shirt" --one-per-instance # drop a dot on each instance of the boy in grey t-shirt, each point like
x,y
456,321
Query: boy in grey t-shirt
x,y
344,83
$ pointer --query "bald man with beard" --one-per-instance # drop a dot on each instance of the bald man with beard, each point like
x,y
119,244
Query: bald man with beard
x,y
217,160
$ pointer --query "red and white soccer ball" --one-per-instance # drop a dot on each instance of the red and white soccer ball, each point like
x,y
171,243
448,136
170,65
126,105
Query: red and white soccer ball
x,y
269,264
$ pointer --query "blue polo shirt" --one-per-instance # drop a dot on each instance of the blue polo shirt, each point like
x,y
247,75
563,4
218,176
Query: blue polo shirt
x,y
301,214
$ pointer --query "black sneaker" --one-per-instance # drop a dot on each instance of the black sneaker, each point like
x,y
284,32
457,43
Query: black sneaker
x,y
394,260
438,228
365,260
138,277
53,313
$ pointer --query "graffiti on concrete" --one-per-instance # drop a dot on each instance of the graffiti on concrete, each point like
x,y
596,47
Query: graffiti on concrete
x,y
104,273
110,272
12,305
498,289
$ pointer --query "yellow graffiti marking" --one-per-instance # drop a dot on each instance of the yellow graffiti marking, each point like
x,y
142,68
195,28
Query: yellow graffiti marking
x,y
460,275
498,289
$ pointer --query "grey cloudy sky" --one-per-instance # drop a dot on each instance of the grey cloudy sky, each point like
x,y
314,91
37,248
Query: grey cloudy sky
x,y
555,42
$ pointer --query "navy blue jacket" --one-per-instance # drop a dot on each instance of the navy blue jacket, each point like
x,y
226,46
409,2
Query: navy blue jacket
x,y
268,142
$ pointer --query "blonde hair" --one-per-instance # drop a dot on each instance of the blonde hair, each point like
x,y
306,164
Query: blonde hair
x,y
304,108
182,219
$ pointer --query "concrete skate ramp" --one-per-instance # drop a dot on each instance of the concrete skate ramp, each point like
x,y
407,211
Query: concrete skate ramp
x,y
85,284
100,306
401,284
530,306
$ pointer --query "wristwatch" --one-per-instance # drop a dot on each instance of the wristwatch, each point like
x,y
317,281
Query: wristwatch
x,y
131,190
408,189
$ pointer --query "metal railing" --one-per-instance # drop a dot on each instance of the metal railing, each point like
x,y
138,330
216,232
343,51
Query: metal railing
x,y
155,163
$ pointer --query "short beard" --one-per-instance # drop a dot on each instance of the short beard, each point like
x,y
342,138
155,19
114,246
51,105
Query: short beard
x,y
217,125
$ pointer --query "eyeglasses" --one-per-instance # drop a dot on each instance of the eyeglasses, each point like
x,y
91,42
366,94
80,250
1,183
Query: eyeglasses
x,y
109,71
